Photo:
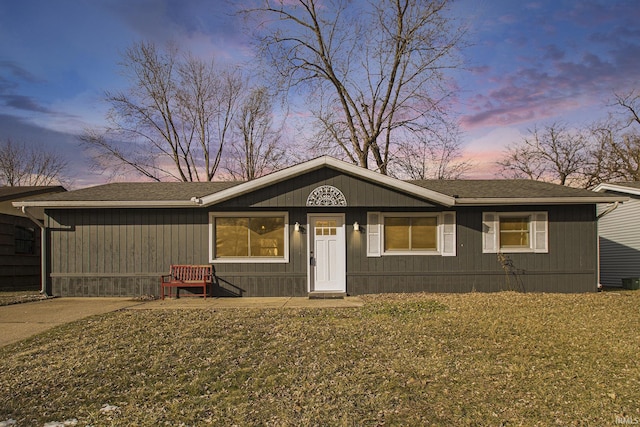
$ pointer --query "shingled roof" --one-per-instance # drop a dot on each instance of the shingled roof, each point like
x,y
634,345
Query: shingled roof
x,y
444,192
501,188
141,191
23,192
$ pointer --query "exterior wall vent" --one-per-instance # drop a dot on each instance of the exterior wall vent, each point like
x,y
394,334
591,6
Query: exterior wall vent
x,y
326,195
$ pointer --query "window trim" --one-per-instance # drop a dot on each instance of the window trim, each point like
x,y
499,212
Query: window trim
x,y
538,232
249,259
440,233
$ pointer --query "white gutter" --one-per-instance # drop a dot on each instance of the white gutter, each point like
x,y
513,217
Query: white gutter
x,y
537,201
617,188
109,204
43,250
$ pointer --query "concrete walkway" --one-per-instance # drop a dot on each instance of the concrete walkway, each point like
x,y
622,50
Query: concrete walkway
x,y
261,302
21,321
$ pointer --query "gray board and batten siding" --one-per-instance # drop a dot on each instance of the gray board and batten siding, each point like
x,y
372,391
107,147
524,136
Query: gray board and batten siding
x,y
619,233
122,252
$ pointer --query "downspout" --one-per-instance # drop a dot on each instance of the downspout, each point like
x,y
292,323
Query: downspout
x,y
612,207
43,250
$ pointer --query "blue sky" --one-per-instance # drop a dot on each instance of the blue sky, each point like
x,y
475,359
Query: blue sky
x,y
530,62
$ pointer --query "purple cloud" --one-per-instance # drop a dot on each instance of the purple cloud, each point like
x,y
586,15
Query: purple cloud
x,y
25,103
19,72
553,52
553,84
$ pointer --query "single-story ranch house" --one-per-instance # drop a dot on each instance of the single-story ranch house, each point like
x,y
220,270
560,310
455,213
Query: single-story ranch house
x,y
323,226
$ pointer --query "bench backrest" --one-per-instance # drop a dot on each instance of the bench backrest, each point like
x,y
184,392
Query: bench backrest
x,y
191,272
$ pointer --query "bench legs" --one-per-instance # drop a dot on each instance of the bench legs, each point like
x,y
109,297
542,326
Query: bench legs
x,y
177,287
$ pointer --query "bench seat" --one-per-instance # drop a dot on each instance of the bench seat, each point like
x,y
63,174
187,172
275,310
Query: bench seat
x,y
186,276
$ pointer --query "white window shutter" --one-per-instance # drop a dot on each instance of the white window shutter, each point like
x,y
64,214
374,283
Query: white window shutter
x,y
373,234
448,234
540,232
489,232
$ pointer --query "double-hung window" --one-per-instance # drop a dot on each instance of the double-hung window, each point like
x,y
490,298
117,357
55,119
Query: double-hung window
x,y
411,234
25,241
511,232
239,237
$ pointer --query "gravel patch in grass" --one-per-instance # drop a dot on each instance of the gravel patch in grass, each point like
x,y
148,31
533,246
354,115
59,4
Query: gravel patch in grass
x,y
419,359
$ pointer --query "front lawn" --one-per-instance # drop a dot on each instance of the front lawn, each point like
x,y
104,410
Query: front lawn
x,y
424,359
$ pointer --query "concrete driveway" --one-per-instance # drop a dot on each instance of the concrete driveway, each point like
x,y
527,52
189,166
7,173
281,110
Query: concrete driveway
x,y
20,321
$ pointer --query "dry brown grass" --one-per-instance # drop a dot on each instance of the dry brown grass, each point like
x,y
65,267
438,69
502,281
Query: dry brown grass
x,y
424,359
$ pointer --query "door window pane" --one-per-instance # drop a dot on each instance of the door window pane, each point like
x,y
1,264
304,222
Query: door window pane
x,y
326,227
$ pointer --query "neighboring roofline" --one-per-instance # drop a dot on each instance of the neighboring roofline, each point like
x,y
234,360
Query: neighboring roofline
x,y
537,201
33,191
330,162
617,188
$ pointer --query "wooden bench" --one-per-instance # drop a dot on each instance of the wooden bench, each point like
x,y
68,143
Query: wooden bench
x,y
186,276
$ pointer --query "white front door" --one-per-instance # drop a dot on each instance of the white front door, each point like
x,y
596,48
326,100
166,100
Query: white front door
x,y
327,255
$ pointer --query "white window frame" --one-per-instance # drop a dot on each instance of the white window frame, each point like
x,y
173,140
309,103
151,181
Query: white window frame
x,y
247,259
445,231
538,232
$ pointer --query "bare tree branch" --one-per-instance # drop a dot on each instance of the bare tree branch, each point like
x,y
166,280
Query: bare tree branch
x,y
174,119
431,155
258,149
553,154
378,68
30,165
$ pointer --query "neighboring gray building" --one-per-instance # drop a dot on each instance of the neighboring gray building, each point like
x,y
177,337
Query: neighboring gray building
x,y
324,226
20,239
619,232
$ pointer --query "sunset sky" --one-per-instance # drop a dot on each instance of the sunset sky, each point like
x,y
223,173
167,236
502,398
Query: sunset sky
x,y
529,63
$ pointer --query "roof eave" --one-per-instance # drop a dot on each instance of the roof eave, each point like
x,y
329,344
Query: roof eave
x,y
600,188
106,204
537,201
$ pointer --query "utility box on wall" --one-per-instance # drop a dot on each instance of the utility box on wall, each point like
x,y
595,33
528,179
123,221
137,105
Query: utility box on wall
x,y
631,283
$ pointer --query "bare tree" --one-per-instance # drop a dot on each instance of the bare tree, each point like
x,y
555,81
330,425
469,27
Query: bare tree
x,y
616,156
256,150
631,103
432,155
554,154
172,122
22,164
369,70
